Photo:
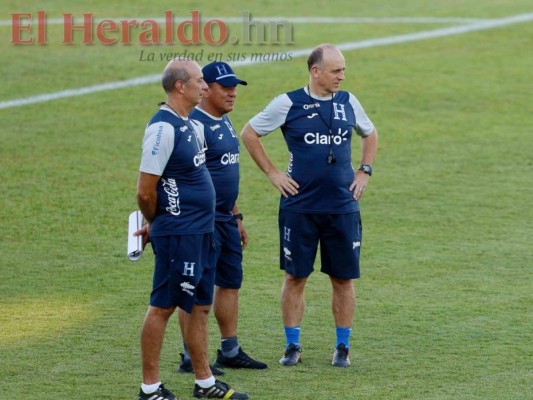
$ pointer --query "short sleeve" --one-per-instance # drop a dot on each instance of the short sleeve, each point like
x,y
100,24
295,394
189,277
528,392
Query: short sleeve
x,y
273,116
158,144
363,125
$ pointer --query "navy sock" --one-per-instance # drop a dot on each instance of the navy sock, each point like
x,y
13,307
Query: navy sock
x,y
229,346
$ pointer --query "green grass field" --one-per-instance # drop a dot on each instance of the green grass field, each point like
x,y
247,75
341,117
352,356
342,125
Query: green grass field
x,y
445,299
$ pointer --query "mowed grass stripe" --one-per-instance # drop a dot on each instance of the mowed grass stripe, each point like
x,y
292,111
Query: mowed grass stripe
x,y
432,34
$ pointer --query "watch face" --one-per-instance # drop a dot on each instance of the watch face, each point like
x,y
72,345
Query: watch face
x,y
367,169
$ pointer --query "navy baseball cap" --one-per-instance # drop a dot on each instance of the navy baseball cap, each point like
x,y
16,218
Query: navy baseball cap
x,y
221,73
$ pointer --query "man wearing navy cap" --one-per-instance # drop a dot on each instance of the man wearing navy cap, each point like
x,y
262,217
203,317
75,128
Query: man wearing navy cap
x,y
222,160
221,73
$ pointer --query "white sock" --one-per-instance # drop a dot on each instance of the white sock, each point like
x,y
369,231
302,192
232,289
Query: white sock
x,y
150,388
204,383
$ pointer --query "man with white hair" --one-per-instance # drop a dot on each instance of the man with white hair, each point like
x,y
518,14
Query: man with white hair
x,y
175,193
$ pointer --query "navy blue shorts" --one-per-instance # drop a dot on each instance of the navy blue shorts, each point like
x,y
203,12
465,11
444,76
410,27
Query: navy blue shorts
x,y
228,255
339,236
184,273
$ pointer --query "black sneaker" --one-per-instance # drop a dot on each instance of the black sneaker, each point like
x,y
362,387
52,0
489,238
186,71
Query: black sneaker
x,y
185,367
219,390
293,355
341,356
241,360
160,394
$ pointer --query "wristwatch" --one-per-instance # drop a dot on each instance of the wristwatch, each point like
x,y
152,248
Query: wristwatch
x,y
367,169
238,216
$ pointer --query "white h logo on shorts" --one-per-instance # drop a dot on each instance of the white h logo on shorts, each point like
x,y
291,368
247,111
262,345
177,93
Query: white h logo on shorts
x,y
188,268
286,234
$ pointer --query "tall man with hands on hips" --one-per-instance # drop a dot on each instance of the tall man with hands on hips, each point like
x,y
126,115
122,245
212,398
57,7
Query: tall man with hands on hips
x,y
320,192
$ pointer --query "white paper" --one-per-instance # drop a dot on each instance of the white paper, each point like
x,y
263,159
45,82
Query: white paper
x,y
135,243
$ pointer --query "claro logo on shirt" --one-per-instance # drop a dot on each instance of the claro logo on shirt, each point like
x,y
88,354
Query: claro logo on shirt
x,y
229,158
318,138
199,159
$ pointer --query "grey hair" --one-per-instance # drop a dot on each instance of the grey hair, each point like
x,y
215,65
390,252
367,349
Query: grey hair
x,y
171,75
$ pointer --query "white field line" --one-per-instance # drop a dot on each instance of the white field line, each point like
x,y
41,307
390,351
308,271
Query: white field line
x,y
293,20
411,37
